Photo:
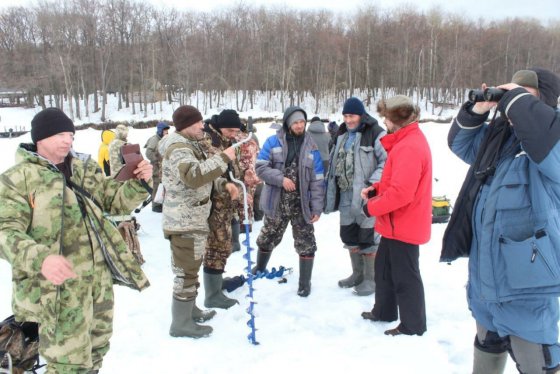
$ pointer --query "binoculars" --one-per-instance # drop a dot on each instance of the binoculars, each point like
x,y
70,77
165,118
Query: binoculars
x,y
489,94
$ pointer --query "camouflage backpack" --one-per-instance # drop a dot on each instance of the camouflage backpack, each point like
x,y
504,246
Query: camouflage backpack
x,y
19,346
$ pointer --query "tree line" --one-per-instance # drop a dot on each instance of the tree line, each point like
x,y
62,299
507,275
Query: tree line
x,y
81,49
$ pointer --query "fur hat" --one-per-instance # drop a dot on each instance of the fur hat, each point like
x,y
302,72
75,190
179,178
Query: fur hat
x,y
400,110
49,122
316,118
353,106
228,118
185,116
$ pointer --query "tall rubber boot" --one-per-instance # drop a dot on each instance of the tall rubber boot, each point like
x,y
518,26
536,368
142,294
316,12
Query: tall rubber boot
x,y
357,275
214,297
367,287
235,227
262,260
489,363
182,324
199,315
305,270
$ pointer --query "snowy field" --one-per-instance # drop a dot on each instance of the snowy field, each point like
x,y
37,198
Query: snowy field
x,y
323,332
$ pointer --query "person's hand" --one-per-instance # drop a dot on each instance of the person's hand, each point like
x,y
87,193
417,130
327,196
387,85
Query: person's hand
x,y
508,86
250,178
365,191
482,107
233,191
288,184
57,269
230,152
314,218
144,170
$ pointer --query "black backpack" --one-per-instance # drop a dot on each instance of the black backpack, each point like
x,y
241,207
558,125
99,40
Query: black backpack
x,y
19,346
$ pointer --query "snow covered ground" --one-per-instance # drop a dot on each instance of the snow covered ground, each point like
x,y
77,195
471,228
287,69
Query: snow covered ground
x,y
323,332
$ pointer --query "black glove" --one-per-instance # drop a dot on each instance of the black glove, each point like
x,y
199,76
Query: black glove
x,y
365,209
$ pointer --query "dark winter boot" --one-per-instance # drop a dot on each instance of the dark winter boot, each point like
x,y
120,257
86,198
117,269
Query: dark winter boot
x,y
182,323
235,227
357,275
262,261
489,363
233,283
214,297
200,315
305,270
367,287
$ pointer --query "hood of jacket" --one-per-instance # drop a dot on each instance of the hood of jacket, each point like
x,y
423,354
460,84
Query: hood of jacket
x,y
107,136
288,112
317,127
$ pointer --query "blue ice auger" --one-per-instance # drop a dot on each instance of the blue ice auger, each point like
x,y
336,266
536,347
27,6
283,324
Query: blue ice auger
x,y
247,256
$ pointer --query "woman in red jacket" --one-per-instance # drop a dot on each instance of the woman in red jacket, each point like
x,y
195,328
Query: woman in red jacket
x,y
402,205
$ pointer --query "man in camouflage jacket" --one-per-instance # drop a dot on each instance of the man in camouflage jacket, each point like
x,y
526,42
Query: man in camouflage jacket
x,y
115,156
189,175
65,254
219,243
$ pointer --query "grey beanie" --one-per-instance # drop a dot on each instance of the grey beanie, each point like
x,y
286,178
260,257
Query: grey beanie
x,y
295,117
526,78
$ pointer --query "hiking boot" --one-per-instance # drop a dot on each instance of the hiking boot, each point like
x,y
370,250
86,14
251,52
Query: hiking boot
x,y
370,316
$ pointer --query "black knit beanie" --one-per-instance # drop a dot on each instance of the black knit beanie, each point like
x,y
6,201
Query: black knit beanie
x,y
49,122
228,118
185,116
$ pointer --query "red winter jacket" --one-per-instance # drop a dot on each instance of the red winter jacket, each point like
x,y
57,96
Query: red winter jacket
x,y
403,200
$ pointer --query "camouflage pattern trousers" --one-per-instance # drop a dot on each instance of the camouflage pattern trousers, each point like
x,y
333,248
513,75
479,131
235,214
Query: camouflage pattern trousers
x,y
186,257
218,245
79,338
274,227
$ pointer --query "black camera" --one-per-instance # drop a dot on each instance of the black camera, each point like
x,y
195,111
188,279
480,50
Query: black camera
x,y
489,94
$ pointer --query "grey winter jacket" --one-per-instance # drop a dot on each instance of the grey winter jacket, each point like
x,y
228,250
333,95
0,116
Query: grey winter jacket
x,y
270,168
369,160
317,131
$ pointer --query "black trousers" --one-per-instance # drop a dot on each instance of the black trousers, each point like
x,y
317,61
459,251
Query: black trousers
x,y
399,285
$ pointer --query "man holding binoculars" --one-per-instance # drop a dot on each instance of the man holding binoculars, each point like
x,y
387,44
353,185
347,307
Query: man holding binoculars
x,y
506,220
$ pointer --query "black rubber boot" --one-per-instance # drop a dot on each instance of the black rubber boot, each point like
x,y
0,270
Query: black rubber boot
x,y
235,227
262,260
305,270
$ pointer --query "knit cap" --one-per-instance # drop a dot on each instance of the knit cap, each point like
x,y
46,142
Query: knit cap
x,y
49,122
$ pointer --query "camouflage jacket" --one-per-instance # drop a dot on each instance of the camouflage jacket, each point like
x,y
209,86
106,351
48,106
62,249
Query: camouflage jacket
x,y
115,156
40,216
188,175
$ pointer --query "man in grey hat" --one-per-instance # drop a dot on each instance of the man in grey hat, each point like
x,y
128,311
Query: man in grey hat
x,y
291,167
505,220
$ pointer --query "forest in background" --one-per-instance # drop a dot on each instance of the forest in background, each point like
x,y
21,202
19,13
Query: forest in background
x,y
86,49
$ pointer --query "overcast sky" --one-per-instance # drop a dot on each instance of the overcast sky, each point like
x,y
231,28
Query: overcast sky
x,y
544,10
